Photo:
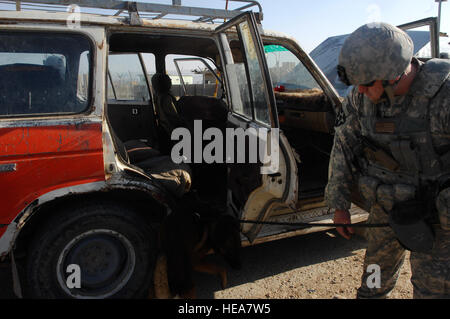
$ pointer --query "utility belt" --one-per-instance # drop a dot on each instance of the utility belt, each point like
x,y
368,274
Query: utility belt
x,y
413,201
411,210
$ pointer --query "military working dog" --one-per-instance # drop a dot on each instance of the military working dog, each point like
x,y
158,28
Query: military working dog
x,y
187,235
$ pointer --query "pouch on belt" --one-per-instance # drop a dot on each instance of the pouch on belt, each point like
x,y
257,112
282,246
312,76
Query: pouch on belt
x,y
388,195
404,192
385,196
368,188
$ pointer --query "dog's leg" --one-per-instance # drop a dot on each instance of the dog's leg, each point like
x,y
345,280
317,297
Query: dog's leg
x,y
213,269
161,284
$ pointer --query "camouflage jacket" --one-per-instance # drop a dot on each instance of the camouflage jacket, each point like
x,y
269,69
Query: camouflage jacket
x,y
343,168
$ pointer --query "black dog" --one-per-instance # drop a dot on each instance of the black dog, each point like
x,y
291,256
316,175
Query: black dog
x,y
187,236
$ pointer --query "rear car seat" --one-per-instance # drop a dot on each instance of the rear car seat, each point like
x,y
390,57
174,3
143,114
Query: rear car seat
x,y
176,178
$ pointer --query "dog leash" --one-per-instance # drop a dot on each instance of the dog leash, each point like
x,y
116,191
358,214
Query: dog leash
x,y
312,224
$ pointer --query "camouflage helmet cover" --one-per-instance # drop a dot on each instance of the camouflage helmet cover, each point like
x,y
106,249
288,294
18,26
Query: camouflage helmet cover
x,y
375,51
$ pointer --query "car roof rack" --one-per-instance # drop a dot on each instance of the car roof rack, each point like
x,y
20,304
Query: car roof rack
x,y
146,9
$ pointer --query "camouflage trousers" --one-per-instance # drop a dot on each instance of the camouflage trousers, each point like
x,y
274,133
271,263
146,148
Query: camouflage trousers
x,y
430,272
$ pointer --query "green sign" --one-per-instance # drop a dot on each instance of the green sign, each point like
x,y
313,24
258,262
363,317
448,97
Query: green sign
x,y
274,48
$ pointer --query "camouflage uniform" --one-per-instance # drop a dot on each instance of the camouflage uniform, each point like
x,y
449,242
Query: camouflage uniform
x,y
430,271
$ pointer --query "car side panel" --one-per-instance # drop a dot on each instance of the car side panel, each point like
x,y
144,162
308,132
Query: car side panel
x,y
46,158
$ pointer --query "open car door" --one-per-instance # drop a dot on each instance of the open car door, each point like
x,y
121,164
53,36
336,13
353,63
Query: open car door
x,y
262,172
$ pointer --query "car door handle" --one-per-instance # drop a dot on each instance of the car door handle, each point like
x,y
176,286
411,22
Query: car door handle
x,y
10,167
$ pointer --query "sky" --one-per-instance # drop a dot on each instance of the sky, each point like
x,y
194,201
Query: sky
x,y
311,22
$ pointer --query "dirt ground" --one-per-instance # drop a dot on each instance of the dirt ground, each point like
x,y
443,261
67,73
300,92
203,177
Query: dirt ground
x,y
315,266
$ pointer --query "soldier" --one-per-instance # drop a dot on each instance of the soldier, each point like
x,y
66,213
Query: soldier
x,y
393,144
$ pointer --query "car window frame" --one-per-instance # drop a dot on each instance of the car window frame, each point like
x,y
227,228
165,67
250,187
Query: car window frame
x,y
146,80
225,34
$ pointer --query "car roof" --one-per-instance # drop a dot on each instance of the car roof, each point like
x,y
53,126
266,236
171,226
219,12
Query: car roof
x,y
98,19
115,21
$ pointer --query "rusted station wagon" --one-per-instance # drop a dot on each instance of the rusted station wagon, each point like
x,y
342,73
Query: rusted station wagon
x,y
82,93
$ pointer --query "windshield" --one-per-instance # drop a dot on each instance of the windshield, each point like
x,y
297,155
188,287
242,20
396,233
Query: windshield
x,y
287,70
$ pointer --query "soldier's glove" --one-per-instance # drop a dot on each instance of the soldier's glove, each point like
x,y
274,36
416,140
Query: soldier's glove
x,y
409,222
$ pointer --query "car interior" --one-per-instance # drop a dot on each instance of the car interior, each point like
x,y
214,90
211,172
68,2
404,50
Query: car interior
x,y
141,126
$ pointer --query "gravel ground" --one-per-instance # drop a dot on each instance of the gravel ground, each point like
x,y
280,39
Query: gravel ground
x,y
321,265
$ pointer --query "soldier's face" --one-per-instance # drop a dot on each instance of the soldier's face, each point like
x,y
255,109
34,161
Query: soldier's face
x,y
373,92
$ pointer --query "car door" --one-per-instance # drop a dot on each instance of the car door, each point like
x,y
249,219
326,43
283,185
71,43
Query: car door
x,y
262,170
130,110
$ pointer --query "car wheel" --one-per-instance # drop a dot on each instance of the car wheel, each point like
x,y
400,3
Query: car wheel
x,y
92,251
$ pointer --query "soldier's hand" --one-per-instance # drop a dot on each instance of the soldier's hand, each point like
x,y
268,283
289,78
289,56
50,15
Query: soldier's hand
x,y
343,217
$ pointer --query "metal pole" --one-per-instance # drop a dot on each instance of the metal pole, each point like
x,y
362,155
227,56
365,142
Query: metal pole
x,y
18,6
439,15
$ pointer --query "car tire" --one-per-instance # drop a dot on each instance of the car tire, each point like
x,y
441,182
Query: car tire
x,y
108,246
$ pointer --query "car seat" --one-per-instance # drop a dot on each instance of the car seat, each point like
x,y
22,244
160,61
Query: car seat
x,y
167,113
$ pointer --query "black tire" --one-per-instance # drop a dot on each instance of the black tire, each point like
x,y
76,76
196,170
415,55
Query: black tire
x,y
114,248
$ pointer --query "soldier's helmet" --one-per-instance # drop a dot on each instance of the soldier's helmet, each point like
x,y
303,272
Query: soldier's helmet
x,y
375,51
